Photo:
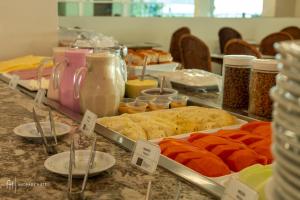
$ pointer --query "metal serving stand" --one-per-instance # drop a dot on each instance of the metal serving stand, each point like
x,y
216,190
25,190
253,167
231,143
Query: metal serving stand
x,y
180,170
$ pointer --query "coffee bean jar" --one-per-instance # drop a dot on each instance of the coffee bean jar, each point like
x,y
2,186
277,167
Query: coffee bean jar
x,y
263,78
236,74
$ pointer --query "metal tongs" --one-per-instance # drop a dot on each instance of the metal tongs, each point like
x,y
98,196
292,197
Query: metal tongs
x,y
148,195
49,148
79,195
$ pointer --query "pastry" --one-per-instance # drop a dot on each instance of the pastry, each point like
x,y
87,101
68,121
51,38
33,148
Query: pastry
x,y
164,123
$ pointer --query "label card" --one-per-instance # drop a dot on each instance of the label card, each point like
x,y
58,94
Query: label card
x,y
14,82
39,97
237,190
146,156
88,122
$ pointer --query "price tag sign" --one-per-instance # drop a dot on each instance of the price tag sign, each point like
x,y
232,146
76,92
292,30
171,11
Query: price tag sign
x,y
14,82
146,156
88,122
40,95
237,190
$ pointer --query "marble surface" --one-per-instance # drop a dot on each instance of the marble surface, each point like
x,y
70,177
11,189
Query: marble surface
x,y
22,163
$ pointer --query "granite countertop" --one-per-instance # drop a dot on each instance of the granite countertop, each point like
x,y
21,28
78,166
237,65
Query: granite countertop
x,y
22,162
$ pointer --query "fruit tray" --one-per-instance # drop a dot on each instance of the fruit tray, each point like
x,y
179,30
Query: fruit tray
x,y
219,153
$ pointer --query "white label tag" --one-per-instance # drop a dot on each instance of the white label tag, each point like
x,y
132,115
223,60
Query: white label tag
x,y
237,190
14,82
40,95
88,122
146,156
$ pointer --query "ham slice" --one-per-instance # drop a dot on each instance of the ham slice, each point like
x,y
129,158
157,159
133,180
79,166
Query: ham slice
x,y
32,73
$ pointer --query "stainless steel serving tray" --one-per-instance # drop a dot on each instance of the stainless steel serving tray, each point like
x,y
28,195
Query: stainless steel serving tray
x,y
180,170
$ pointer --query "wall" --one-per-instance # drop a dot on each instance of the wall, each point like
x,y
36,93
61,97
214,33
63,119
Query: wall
x,y
27,27
285,8
297,8
269,8
159,30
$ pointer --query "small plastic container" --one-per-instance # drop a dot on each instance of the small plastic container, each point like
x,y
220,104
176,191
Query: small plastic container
x,y
145,99
160,104
263,78
136,107
123,106
178,101
155,92
236,75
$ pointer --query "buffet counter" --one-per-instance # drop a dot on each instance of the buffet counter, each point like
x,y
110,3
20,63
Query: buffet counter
x,y
25,177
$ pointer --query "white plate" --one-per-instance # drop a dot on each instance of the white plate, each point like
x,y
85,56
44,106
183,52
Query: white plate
x,y
289,192
286,99
59,163
287,118
287,84
167,67
191,78
285,134
269,190
29,130
294,180
284,161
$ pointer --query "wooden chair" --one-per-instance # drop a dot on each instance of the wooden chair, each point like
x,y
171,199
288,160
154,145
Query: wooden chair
x,y
226,34
294,31
194,53
267,43
240,47
174,45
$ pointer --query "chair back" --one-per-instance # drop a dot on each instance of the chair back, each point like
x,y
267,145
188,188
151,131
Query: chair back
x,y
240,47
267,43
194,53
174,45
294,31
226,34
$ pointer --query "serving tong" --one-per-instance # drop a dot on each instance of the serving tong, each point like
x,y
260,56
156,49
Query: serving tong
x,y
79,195
49,147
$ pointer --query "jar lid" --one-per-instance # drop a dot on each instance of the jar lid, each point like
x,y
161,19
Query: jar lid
x,y
265,64
240,60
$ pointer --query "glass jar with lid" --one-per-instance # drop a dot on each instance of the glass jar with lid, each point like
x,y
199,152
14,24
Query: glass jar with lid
x,y
263,78
236,74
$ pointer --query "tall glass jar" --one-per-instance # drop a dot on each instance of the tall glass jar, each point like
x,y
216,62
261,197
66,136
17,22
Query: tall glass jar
x,y
236,74
263,78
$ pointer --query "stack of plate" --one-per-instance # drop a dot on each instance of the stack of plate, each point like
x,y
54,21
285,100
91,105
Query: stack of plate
x,y
286,126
